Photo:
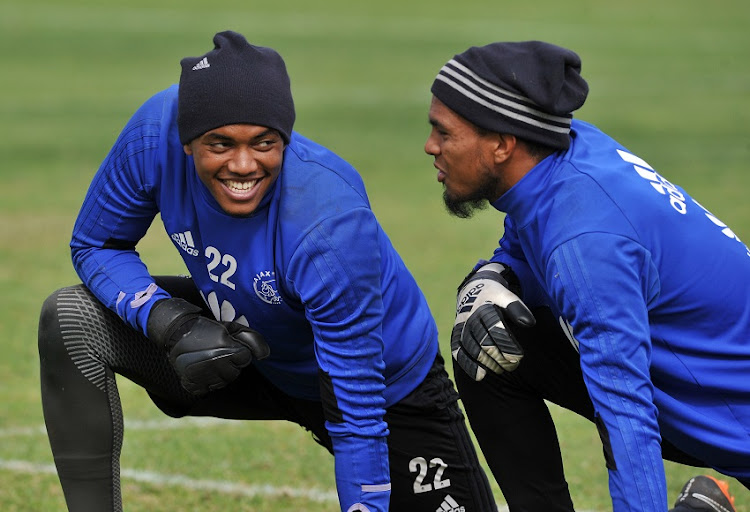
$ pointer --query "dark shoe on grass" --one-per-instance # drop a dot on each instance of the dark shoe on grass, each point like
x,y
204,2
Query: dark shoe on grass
x,y
705,493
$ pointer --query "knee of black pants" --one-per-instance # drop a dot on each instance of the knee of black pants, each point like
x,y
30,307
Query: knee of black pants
x,y
68,331
50,342
72,352
549,371
493,391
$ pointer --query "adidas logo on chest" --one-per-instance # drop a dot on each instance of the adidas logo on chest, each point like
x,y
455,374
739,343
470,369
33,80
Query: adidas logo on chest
x,y
185,242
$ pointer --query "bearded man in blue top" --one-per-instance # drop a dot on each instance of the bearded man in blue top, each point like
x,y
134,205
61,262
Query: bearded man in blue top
x,y
612,293
297,307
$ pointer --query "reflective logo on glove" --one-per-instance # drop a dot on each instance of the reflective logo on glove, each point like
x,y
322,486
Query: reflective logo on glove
x,y
467,301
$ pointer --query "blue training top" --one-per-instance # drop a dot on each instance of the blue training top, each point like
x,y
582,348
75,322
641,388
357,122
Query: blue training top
x,y
656,292
311,269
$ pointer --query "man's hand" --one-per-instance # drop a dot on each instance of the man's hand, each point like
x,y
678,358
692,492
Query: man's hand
x,y
206,354
480,340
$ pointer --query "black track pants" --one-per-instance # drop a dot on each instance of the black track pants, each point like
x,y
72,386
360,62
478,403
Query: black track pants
x,y
513,426
82,345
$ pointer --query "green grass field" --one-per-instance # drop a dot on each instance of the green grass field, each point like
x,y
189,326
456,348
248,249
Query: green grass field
x,y
669,79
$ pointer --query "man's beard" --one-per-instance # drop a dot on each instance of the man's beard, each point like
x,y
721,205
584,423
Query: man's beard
x,y
465,207
461,207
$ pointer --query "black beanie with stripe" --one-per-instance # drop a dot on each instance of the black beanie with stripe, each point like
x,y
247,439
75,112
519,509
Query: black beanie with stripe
x,y
528,89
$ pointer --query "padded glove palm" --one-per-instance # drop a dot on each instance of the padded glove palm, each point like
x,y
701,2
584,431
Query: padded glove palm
x,y
480,340
207,355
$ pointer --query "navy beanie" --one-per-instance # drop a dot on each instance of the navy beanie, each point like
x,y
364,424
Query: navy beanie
x,y
234,83
528,89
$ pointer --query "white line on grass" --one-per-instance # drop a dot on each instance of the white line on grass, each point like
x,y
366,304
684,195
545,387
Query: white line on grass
x,y
161,424
149,477
221,486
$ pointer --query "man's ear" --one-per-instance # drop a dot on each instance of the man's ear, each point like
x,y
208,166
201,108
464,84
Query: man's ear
x,y
505,146
187,149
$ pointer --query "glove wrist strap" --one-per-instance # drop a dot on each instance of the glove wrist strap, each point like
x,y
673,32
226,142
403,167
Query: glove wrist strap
x,y
170,319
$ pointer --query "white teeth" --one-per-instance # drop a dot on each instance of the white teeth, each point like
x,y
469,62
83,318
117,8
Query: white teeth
x,y
240,186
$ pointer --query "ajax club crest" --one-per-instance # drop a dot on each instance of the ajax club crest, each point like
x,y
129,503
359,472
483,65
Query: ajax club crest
x,y
264,284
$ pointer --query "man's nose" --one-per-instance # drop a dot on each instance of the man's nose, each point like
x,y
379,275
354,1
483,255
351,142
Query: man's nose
x,y
430,146
243,162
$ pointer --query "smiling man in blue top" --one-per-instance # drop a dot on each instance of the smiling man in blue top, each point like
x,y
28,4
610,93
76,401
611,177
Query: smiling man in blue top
x,y
612,293
297,307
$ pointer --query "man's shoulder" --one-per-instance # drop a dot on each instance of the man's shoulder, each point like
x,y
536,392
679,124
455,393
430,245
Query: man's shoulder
x,y
155,119
302,150
320,169
316,186
161,103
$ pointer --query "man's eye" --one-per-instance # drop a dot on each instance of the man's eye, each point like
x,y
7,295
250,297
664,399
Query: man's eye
x,y
266,143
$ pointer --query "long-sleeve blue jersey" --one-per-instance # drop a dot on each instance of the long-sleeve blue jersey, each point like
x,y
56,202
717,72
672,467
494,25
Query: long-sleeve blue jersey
x,y
655,291
311,269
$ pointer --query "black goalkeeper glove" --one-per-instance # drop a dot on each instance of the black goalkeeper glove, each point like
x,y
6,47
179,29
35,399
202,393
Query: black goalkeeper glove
x,y
480,340
206,354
